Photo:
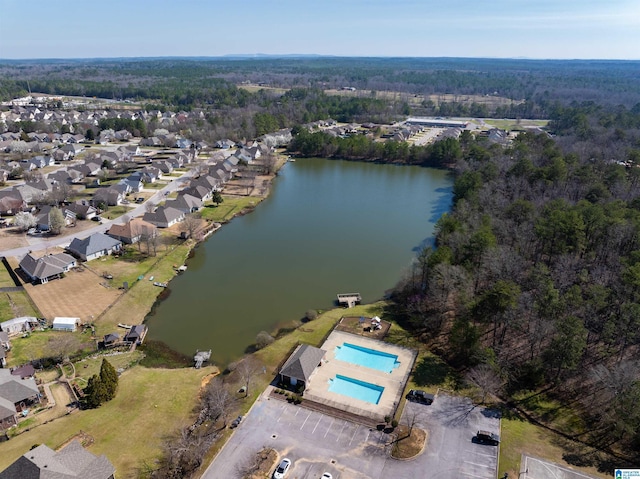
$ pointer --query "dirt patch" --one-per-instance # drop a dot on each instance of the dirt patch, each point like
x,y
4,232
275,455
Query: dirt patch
x,y
80,294
408,446
362,326
259,466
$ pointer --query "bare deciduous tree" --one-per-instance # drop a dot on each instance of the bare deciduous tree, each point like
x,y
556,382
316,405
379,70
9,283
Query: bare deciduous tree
x,y
486,378
190,225
246,370
218,401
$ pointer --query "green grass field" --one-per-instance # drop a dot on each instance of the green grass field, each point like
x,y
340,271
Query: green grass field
x,y
15,305
150,404
231,206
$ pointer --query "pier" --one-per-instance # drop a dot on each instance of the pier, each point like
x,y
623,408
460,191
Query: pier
x,y
349,299
200,357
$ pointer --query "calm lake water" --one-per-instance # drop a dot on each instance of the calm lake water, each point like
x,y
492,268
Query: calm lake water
x,y
328,227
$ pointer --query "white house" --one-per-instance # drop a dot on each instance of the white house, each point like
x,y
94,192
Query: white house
x,y
65,324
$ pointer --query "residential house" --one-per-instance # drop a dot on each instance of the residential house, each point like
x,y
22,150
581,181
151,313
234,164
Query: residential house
x,y
26,371
10,205
133,231
3,356
185,203
123,135
109,196
224,144
81,211
164,166
94,246
41,270
16,395
20,325
183,143
201,192
70,462
151,141
164,217
72,149
133,183
301,364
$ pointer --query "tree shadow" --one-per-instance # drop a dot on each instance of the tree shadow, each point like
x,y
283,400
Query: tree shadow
x,y
430,371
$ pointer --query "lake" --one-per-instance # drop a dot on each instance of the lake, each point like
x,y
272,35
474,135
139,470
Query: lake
x,y
327,227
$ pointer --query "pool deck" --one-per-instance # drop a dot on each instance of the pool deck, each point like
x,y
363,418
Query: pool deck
x,y
318,388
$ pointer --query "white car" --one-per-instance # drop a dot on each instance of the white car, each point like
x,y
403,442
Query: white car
x,y
326,475
282,469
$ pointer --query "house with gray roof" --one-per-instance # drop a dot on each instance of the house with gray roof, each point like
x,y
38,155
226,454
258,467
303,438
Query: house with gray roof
x,y
41,270
16,394
301,364
94,246
164,217
185,203
71,462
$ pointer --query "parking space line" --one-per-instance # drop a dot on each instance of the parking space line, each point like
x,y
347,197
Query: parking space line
x,y
314,429
354,434
281,414
366,439
329,428
305,421
298,411
475,453
479,465
343,426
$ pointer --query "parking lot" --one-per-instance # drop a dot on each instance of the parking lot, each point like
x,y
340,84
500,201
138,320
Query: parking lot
x,y
317,443
534,468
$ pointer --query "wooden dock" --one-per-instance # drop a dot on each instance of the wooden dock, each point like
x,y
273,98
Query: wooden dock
x,y
200,357
349,299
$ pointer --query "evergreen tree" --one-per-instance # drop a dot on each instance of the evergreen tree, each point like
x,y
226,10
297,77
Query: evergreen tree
x,y
109,379
94,392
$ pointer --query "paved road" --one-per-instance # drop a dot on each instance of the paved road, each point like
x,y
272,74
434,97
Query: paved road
x,y
36,244
534,468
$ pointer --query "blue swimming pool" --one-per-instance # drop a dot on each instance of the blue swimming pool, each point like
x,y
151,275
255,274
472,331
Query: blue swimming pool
x,y
369,358
356,389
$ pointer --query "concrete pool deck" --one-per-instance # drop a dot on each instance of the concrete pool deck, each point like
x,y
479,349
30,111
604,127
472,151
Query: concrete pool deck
x,y
394,382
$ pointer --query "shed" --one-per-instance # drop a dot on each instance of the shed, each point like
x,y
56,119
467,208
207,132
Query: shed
x,y
301,365
19,325
65,324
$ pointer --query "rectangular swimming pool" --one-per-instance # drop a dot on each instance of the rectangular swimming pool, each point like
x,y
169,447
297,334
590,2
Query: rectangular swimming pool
x,y
356,389
369,358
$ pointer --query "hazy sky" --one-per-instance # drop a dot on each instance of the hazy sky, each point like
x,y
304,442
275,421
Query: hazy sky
x,y
426,28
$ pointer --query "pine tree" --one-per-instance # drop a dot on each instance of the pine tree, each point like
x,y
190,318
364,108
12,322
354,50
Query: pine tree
x,y
94,392
109,378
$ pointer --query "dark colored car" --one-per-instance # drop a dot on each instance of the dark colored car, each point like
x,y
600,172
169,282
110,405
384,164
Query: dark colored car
x,y
236,422
486,437
420,396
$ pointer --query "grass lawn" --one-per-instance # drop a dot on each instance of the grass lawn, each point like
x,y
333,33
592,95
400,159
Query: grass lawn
x,y
5,278
510,124
48,343
160,400
15,305
115,212
86,368
132,307
231,206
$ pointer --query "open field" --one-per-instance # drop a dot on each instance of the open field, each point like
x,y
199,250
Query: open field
x,y
394,95
48,343
512,124
91,295
163,398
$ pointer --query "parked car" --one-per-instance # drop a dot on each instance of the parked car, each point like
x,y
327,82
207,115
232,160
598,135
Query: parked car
x,y
96,218
140,199
282,469
486,437
326,475
236,422
420,396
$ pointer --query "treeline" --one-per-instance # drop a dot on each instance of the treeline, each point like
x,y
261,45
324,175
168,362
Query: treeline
x,y
362,147
136,127
536,276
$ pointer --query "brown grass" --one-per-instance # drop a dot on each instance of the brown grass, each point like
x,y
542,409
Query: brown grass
x,y
79,295
407,446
